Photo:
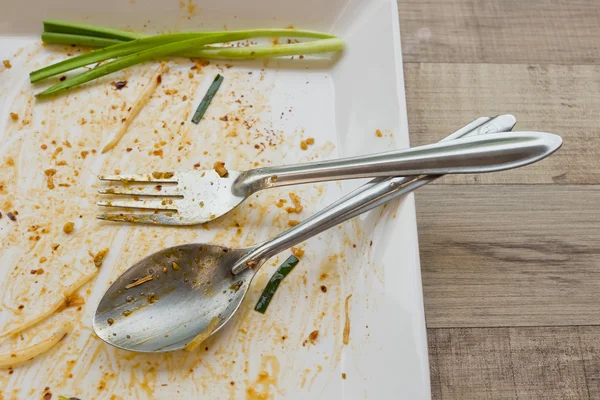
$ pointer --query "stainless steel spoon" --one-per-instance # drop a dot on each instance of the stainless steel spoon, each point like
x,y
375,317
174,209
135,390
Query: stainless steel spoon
x,y
148,310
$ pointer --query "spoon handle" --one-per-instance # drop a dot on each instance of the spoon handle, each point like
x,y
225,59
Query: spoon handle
x,y
365,198
476,154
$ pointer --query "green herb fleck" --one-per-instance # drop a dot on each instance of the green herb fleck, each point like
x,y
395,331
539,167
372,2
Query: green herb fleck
x,y
203,106
269,291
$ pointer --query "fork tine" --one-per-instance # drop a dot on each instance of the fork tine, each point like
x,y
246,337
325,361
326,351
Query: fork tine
x,y
157,190
144,204
153,177
156,219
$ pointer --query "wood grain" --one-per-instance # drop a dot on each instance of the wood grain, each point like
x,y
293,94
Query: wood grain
x,y
500,32
559,99
590,349
510,255
544,363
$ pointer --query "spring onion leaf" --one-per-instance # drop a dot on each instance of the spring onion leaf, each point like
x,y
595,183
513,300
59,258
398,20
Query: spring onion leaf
x,y
91,30
133,46
124,62
123,49
107,53
81,40
254,52
269,291
88,30
203,106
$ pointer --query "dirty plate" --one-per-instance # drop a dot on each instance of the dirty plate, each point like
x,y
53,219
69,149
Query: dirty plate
x,y
366,273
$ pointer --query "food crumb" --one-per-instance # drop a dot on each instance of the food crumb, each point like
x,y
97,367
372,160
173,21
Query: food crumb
x,y
293,222
378,133
68,227
297,252
119,84
307,142
313,336
7,63
346,333
11,216
50,174
220,168
74,300
323,288
14,116
99,257
343,375
138,282
297,204
280,203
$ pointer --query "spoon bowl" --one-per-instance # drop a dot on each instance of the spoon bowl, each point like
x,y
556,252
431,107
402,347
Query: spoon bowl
x,y
191,292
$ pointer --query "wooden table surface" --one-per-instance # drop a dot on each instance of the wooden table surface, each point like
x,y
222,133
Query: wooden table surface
x,y
510,261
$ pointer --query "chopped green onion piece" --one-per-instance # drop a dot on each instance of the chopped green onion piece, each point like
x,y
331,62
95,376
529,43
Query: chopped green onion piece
x,y
269,291
203,106
81,40
88,30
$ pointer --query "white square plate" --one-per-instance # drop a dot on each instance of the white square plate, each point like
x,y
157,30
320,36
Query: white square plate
x,y
341,104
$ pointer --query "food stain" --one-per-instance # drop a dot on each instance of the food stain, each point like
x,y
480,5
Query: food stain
x,y
266,382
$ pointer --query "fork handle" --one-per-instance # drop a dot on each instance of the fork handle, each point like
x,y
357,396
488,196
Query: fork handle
x,y
486,153
363,199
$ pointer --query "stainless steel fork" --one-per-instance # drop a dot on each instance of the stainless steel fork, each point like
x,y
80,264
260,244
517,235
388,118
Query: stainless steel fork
x,y
193,197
